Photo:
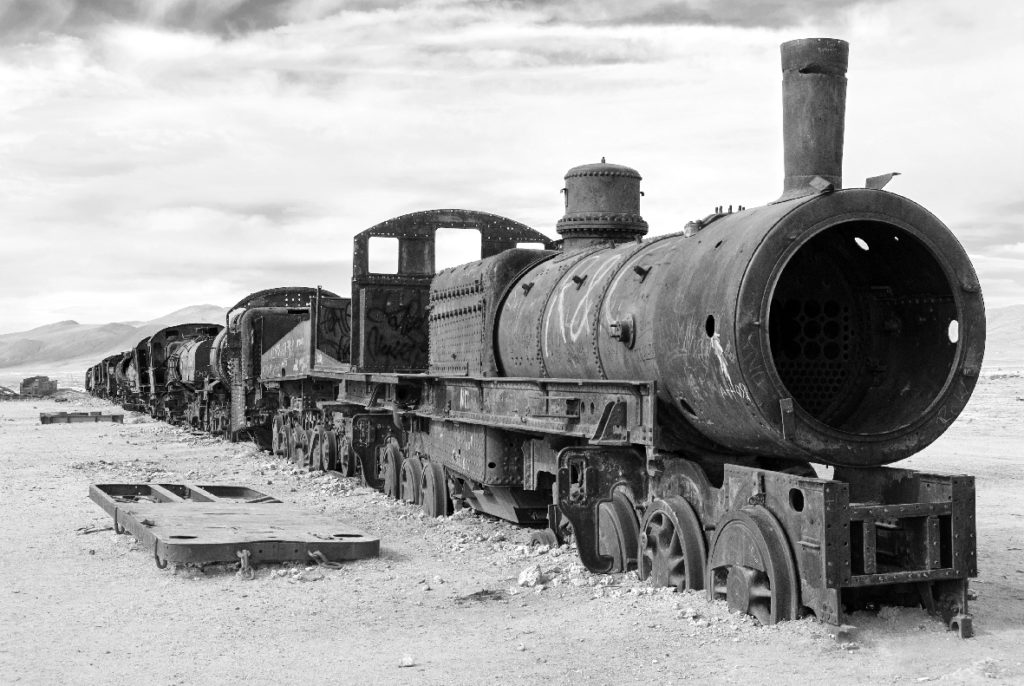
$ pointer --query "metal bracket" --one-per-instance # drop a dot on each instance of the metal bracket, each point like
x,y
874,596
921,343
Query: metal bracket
x,y
788,418
587,476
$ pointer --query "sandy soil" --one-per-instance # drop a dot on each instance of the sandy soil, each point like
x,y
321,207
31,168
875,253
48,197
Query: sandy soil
x,y
80,607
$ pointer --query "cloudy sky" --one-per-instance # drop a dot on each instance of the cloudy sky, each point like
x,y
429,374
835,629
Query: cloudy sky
x,y
156,154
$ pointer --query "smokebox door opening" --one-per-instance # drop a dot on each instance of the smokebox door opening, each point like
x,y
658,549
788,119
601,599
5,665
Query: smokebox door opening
x,y
859,327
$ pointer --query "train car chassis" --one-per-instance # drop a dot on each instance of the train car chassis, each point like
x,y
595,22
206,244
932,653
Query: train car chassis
x,y
775,541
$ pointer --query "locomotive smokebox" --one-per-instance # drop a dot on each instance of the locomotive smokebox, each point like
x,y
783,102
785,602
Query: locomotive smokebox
x,y
839,326
602,204
813,110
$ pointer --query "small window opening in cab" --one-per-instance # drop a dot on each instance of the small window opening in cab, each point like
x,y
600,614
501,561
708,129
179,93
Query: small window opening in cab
x,y
453,247
383,255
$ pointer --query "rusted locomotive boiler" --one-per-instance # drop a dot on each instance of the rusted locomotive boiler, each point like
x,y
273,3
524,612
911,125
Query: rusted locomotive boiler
x,y
230,398
158,375
666,399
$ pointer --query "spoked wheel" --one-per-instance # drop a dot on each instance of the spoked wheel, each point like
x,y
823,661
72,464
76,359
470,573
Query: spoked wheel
x,y
391,468
672,546
313,449
752,568
345,464
298,445
328,449
434,491
289,442
409,480
619,532
277,436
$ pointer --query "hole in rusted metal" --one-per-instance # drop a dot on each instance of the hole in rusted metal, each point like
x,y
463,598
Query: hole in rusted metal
x,y
860,339
709,325
796,499
953,332
182,537
861,243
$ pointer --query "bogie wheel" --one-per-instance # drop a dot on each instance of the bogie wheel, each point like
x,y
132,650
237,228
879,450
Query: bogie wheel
x,y
751,567
313,448
672,548
345,463
391,468
298,452
619,532
434,491
289,441
278,435
409,481
328,449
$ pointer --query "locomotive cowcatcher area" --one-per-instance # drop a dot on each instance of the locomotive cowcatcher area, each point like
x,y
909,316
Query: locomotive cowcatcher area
x,y
442,603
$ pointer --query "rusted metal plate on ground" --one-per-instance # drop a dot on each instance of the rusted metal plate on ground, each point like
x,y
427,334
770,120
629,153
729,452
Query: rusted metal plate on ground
x,y
76,417
189,523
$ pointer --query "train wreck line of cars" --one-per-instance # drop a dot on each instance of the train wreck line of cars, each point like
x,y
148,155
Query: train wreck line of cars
x,y
664,400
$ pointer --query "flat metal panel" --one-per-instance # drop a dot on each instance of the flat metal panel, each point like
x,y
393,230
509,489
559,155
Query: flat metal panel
x,y
192,523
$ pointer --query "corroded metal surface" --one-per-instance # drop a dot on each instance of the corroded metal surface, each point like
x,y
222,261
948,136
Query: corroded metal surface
x,y
79,418
38,386
389,323
192,523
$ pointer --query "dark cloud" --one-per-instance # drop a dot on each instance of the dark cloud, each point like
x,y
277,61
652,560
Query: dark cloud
x,y
773,14
29,20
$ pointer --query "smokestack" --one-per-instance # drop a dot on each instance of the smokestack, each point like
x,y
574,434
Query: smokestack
x,y
813,112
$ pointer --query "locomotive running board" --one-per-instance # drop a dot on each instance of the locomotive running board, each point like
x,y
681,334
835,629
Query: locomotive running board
x,y
76,417
192,524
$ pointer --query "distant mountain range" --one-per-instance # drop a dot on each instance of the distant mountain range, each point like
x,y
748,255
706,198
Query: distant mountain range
x,y
1004,345
59,344
67,348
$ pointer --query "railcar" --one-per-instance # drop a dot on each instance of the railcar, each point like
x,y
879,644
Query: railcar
x,y
170,359
714,408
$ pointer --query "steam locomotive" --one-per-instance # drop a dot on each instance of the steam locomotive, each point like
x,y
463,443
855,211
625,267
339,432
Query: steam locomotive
x,y
663,400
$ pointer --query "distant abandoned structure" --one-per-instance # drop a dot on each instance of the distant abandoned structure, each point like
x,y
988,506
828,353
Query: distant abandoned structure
x,y
38,386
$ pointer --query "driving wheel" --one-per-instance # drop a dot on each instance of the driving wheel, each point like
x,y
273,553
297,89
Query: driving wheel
x,y
298,445
328,449
618,532
672,546
409,480
390,467
751,566
313,449
345,464
434,491
278,436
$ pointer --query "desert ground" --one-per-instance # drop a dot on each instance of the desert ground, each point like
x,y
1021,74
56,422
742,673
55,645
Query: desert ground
x,y
80,604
